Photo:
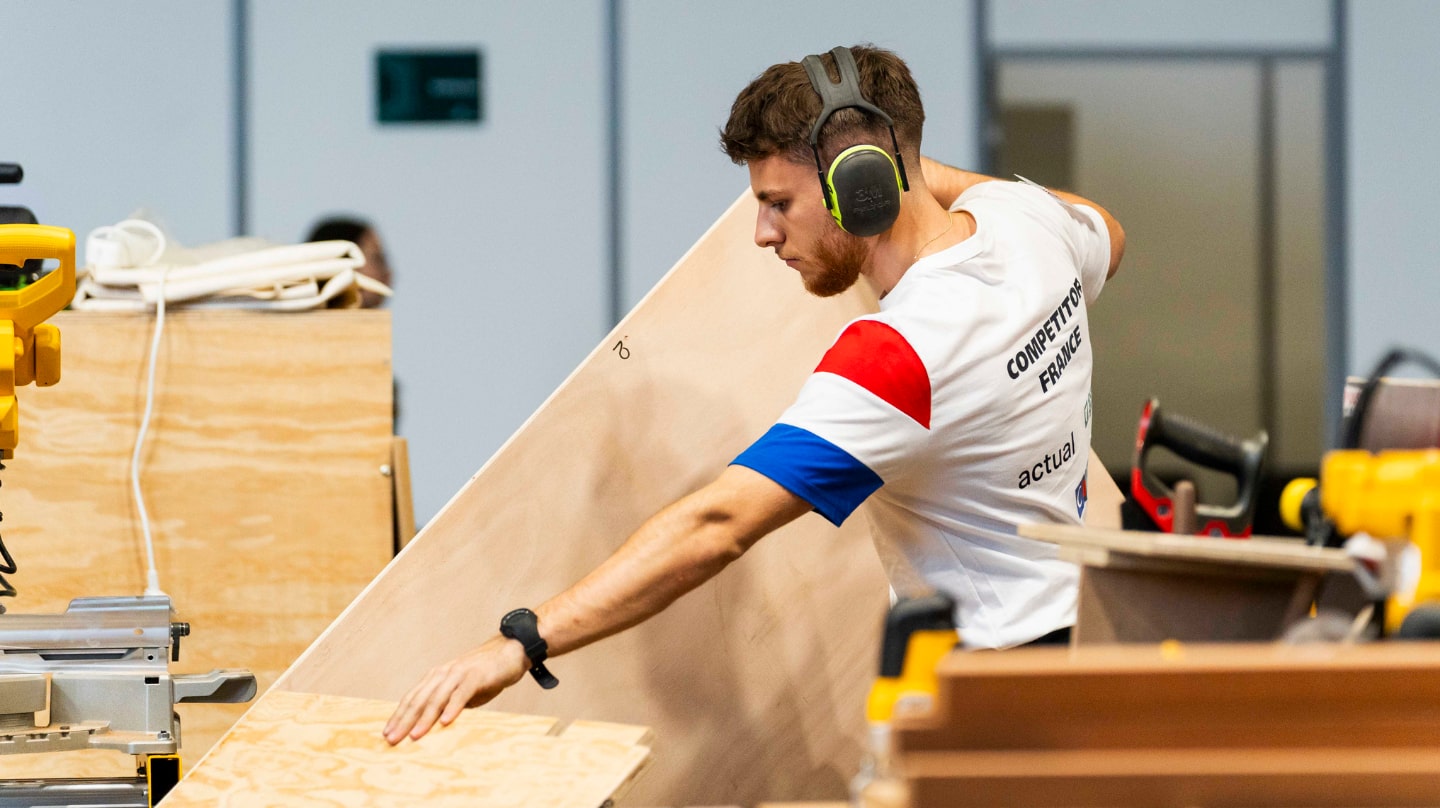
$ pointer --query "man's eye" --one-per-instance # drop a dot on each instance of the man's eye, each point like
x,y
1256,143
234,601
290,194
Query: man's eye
x,y
779,207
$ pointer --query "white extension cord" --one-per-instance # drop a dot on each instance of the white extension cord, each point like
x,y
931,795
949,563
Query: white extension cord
x,y
131,266
113,246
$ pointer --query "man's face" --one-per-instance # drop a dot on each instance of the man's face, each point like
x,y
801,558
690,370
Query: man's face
x,y
793,220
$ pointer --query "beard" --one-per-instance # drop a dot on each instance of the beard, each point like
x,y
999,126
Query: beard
x,y
841,256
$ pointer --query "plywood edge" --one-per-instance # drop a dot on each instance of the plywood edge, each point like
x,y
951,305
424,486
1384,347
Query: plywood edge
x,y
404,496
316,647
1099,764
1187,658
638,738
600,349
1256,551
628,734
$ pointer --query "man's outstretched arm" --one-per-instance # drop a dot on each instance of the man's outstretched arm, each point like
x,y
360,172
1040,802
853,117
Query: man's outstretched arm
x,y
675,551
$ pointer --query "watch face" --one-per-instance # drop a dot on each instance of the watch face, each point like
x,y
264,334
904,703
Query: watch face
x,y
522,625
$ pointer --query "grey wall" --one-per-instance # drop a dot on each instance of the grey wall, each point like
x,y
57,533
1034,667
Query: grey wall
x,y
684,62
114,107
496,233
1394,171
1155,24
500,234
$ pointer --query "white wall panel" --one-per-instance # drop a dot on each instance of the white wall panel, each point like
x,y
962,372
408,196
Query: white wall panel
x,y
1394,170
1155,24
495,232
684,63
118,106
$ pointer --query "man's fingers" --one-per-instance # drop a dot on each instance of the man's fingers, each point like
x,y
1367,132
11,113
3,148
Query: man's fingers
x,y
452,682
411,708
459,697
403,718
448,689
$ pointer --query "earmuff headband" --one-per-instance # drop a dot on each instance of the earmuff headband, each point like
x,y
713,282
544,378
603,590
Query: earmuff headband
x,y
845,94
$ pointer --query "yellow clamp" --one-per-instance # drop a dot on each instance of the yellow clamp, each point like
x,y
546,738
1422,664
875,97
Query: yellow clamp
x,y
35,353
918,679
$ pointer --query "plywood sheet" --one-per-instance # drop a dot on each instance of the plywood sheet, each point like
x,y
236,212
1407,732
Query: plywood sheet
x,y
297,750
768,662
262,475
755,683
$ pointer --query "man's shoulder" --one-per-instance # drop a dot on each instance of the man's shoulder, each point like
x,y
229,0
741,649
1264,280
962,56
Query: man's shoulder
x,y
1013,195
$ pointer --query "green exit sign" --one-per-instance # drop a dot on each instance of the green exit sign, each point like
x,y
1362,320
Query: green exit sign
x,y
429,86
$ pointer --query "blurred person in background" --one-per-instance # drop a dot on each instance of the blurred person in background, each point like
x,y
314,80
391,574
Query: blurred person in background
x,y
364,235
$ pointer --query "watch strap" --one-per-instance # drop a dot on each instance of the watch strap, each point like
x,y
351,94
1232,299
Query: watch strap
x,y
522,626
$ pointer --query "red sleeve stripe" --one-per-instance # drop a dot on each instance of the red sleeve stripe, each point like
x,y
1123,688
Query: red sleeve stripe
x,y
875,356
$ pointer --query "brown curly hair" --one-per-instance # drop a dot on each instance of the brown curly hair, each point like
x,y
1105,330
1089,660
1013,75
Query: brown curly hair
x,y
774,113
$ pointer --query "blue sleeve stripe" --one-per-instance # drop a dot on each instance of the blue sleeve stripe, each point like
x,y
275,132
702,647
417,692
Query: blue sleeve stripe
x,y
812,468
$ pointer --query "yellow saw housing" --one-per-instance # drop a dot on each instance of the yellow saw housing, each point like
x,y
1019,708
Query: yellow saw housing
x,y
35,345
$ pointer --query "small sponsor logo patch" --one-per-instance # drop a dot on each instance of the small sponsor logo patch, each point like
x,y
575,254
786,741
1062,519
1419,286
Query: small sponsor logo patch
x,y
1082,494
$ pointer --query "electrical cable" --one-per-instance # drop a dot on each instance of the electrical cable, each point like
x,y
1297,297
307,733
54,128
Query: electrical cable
x,y
152,576
1352,426
7,590
114,245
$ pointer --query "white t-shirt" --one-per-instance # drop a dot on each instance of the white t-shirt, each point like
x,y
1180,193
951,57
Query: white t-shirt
x,y
961,410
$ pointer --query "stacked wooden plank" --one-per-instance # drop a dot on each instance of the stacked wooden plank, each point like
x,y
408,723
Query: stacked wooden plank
x,y
1178,725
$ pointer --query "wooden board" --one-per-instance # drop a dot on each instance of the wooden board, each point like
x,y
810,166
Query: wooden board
x,y
404,501
297,750
1103,510
768,662
1149,587
262,467
1241,778
1097,545
1252,724
755,683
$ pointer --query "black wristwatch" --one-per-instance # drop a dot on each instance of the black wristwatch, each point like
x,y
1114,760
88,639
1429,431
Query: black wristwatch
x,y
522,626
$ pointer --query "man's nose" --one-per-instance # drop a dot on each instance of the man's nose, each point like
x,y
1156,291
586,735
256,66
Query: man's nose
x,y
766,233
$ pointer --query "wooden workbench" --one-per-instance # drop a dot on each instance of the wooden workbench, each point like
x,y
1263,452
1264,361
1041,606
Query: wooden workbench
x,y
262,476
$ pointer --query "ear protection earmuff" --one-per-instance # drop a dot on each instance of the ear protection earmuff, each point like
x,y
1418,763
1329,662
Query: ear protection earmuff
x,y
863,184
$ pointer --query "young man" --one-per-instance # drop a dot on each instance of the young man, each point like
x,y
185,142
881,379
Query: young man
x,y
959,411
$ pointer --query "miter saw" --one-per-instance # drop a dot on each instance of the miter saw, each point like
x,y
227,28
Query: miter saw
x,y
96,676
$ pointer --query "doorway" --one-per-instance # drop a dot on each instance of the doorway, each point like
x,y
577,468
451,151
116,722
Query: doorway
x,y
1215,165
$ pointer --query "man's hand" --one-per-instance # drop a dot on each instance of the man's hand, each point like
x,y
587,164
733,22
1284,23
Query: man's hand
x,y
467,681
675,551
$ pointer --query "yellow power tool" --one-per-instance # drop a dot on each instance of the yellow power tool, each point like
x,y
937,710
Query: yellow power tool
x,y
35,345
1389,495
919,632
